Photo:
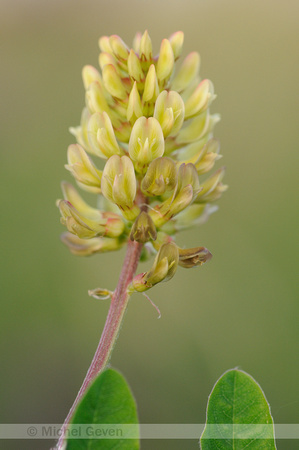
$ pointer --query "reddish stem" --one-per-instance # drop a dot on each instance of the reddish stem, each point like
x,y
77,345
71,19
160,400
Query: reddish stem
x,y
112,326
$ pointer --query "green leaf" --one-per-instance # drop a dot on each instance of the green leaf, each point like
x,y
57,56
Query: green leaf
x,y
238,415
107,401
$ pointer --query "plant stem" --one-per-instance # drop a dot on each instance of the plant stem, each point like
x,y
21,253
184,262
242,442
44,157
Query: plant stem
x,y
112,326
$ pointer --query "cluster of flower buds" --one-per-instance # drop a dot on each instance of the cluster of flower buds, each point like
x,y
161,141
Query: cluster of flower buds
x,y
150,125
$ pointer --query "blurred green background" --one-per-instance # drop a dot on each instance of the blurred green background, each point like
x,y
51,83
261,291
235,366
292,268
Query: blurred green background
x,y
242,308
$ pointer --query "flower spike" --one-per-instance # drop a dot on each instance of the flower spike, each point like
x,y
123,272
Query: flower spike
x,y
147,119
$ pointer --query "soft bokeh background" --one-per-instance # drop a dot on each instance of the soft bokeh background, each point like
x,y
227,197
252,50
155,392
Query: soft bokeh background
x,y
241,309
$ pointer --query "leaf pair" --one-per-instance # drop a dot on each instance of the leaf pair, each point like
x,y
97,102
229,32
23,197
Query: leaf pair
x,y
238,416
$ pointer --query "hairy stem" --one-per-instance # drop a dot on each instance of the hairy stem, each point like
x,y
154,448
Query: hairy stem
x,y
112,326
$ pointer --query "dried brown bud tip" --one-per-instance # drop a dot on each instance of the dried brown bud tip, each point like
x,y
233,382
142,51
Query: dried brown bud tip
x,y
192,257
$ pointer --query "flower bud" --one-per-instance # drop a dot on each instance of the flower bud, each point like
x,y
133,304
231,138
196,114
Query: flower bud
x,y
202,153
182,199
187,73
163,269
176,40
95,98
136,42
83,169
146,50
80,132
113,82
161,176
187,188
168,251
119,184
199,127
104,44
107,58
169,111
72,196
165,61
143,229
119,48
208,156
212,188
192,257
134,110
87,247
90,74
191,152
101,136
200,99
83,220
146,142
134,67
86,227
75,223
151,88
187,175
